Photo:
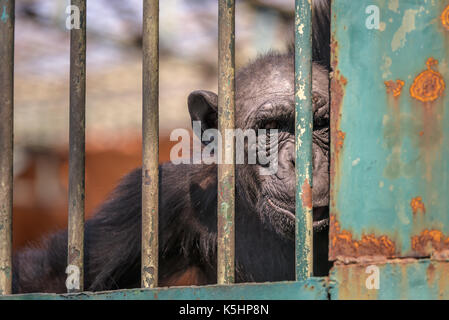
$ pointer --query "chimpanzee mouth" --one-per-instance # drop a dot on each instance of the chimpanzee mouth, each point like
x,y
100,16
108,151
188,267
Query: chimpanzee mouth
x,y
320,214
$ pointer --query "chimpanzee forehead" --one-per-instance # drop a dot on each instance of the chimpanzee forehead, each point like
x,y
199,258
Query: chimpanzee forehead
x,y
268,76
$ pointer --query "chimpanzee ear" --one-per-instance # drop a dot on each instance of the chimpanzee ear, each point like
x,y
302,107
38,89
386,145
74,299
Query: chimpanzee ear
x,y
203,107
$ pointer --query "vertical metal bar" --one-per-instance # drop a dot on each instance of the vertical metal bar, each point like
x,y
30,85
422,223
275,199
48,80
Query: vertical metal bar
x,y
303,135
6,141
226,171
75,256
150,144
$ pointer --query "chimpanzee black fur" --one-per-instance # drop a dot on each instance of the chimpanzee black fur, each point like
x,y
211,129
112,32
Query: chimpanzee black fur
x,y
265,205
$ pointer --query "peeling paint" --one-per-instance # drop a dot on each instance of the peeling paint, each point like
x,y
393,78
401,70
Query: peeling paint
x,y
445,18
343,245
393,5
428,241
5,15
307,194
408,25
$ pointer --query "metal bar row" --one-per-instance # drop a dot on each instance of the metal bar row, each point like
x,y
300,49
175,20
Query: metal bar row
x,y
150,143
6,141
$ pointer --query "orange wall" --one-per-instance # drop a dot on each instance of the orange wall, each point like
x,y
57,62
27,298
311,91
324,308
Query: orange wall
x,y
33,218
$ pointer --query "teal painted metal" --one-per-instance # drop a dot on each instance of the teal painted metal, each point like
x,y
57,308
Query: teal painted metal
x,y
303,135
403,279
311,289
390,128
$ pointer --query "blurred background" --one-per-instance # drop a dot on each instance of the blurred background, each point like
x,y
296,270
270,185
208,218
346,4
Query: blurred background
x,y
188,61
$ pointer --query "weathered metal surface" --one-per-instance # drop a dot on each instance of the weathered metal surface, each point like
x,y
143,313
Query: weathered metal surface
x,y
6,140
303,135
310,289
150,144
390,130
399,279
75,256
226,121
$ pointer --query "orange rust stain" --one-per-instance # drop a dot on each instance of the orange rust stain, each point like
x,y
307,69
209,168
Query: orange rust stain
x,y
307,194
428,85
340,139
429,239
445,18
421,133
417,205
394,87
343,244
430,273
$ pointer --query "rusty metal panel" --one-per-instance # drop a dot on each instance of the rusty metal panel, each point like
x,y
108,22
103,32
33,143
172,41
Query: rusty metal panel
x,y
150,144
226,121
6,141
401,279
75,255
310,289
390,129
303,139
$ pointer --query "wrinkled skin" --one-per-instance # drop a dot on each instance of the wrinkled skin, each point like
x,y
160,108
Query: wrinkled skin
x,y
264,220
265,100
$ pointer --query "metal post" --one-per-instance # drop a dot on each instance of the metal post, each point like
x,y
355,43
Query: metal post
x,y
75,256
150,144
303,134
226,171
6,141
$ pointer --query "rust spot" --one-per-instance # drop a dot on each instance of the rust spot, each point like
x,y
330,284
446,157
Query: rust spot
x,y
417,205
428,85
428,240
343,244
340,140
421,133
430,273
445,18
307,194
338,84
394,87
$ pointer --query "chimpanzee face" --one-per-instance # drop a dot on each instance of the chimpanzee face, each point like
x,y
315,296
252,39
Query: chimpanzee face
x,y
265,100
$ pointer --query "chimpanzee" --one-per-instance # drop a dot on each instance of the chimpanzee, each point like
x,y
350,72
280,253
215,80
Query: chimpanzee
x,y
265,204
